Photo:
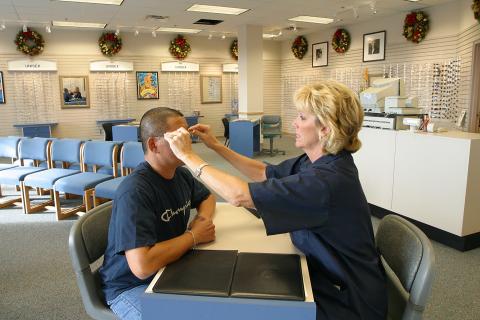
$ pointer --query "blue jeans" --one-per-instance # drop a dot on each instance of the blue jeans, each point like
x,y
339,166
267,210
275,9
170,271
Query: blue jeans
x,y
127,304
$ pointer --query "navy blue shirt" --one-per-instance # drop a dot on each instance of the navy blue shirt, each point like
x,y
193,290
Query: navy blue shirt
x,y
147,209
323,206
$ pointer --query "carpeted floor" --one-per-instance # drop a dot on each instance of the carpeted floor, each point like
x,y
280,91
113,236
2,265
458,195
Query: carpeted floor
x,y
37,281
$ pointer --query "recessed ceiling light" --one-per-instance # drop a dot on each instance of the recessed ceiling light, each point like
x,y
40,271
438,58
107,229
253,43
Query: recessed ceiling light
x,y
312,19
412,0
178,30
269,36
113,2
216,9
79,24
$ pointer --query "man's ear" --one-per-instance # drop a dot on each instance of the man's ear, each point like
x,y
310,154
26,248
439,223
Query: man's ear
x,y
152,144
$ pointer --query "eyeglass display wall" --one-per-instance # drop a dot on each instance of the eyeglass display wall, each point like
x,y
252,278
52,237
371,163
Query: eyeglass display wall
x,y
231,84
36,96
183,91
110,94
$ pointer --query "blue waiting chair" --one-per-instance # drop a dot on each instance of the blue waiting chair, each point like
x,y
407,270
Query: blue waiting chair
x,y
97,154
34,149
64,151
9,149
130,157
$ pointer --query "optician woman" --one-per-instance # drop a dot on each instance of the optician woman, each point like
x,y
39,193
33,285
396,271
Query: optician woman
x,y
316,197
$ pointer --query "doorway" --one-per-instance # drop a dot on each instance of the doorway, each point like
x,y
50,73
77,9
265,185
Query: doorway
x,y
474,125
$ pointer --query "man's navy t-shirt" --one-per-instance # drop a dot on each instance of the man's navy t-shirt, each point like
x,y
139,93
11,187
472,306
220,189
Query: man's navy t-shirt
x,y
147,209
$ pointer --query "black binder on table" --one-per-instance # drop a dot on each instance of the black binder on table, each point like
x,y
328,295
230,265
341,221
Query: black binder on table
x,y
199,272
268,276
223,273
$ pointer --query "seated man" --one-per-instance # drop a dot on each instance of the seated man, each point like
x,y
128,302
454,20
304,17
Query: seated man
x,y
148,228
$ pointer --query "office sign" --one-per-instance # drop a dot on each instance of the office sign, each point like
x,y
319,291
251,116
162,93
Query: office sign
x,y
230,67
32,65
112,66
181,66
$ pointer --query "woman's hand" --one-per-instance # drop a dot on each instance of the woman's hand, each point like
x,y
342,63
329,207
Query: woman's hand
x,y
180,142
204,132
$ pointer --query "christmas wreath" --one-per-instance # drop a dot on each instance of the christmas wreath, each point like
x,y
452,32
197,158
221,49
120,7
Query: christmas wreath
x,y
341,41
29,42
299,47
476,9
179,47
416,26
110,44
234,49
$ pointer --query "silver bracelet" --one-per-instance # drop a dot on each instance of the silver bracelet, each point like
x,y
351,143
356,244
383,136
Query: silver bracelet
x,y
193,236
198,171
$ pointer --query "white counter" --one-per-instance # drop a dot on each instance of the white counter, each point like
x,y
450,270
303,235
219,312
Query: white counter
x,y
433,178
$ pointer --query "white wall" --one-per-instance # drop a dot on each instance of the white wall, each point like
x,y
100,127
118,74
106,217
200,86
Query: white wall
x,y
73,51
453,30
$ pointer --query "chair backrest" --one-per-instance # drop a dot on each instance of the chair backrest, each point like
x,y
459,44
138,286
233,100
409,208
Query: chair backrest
x,y
271,125
408,258
37,149
9,147
99,154
226,128
66,150
131,156
87,243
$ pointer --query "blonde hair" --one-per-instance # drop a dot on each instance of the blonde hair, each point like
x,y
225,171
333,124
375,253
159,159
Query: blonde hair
x,y
336,107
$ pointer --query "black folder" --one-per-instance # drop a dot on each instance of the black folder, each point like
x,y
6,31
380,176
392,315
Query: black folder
x,y
222,273
268,276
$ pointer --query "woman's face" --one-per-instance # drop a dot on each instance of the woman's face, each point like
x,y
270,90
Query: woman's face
x,y
306,131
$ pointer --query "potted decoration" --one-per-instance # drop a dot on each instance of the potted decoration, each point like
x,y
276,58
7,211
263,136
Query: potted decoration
x,y
476,9
110,44
299,47
234,49
341,41
416,26
29,42
179,47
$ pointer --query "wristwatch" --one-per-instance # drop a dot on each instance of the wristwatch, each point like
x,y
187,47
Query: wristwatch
x,y
198,171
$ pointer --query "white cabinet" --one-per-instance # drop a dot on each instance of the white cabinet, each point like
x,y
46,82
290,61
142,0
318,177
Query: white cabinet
x,y
431,178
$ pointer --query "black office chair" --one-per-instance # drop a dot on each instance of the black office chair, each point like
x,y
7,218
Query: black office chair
x,y
272,128
408,258
87,243
107,128
226,131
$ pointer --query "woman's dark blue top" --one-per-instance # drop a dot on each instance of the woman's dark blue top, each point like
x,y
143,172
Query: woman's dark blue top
x,y
323,206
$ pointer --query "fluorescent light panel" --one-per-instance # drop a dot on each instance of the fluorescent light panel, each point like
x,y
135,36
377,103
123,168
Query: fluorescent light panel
x,y
311,19
216,9
269,36
78,24
112,2
178,30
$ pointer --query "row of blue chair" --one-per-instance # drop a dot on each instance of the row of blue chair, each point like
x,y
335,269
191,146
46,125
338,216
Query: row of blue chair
x,y
62,166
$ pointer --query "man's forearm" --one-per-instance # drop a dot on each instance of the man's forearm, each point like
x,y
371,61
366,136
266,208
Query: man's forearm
x,y
207,207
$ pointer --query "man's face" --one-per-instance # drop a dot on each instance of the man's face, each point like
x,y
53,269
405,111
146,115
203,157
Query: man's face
x,y
173,123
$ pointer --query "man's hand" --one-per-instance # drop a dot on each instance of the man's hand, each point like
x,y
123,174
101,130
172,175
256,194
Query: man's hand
x,y
203,230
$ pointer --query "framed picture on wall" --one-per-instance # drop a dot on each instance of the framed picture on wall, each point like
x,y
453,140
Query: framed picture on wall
x,y
147,85
374,46
2,89
320,54
211,89
74,92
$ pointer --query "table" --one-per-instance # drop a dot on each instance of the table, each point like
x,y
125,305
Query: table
x,y
245,136
126,132
236,229
43,130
